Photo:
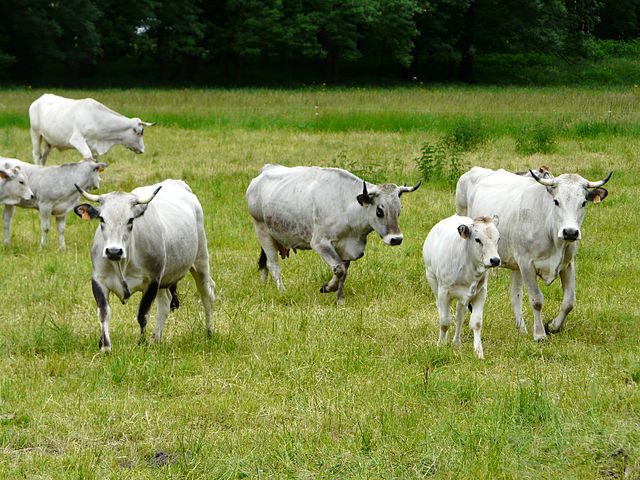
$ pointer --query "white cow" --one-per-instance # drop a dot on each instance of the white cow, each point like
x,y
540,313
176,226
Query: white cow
x,y
457,253
147,246
55,193
14,186
85,124
328,210
540,220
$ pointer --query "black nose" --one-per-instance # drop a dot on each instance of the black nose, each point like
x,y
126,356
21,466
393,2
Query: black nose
x,y
33,197
495,261
114,253
395,241
570,233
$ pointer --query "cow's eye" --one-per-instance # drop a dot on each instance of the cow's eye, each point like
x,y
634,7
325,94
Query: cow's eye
x,y
22,183
379,212
478,241
556,202
584,203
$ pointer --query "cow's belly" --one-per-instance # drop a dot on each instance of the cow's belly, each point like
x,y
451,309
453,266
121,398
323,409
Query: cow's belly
x,y
289,231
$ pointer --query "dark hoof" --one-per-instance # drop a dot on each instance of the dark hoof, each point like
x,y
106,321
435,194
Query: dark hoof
x,y
323,289
550,330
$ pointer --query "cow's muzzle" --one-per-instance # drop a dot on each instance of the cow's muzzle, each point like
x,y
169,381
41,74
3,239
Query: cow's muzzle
x,y
114,253
570,234
392,239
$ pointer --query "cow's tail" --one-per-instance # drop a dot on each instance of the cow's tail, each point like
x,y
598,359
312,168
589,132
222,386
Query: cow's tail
x,y
262,261
175,301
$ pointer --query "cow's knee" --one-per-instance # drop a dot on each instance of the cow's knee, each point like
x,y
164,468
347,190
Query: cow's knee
x,y
537,303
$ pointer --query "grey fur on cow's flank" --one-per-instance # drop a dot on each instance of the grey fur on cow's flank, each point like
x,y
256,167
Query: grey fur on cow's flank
x,y
55,193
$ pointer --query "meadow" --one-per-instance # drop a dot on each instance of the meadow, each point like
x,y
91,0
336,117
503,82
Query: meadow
x,y
292,385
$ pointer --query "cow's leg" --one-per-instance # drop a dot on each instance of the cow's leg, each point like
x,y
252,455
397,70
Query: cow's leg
x,y
45,153
35,143
164,305
516,300
535,298
568,279
270,250
340,294
443,302
475,322
145,304
206,288
461,312
45,224
78,142
326,251
61,222
7,215
101,295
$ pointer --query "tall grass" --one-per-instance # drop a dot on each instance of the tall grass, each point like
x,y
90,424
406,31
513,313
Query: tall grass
x,y
292,385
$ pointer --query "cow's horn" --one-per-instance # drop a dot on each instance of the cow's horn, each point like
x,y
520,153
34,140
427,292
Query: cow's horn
x,y
405,189
547,182
147,124
600,183
143,201
87,195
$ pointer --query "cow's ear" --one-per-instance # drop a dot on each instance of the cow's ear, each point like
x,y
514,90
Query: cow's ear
x,y
138,210
596,195
364,200
100,167
3,175
86,212
464,231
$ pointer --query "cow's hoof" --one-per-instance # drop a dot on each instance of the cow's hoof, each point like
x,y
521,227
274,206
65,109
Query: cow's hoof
x,y
540,337
323,289
105,349
551,329
340,301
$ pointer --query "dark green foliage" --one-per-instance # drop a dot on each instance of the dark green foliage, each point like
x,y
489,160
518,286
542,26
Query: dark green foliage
x,y
227,41
539,137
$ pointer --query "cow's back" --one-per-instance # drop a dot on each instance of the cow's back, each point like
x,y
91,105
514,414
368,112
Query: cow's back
x,y
170,224
444,251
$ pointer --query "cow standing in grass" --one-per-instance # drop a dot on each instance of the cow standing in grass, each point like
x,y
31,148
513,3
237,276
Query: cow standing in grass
x,y
85,124
55,193
328,210
540,225
147,241
457,254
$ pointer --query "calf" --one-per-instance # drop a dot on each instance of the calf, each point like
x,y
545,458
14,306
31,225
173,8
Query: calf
x,y
145,246
55,193
14,187
457,253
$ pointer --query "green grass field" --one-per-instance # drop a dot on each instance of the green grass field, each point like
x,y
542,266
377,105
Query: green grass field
x,y
291,385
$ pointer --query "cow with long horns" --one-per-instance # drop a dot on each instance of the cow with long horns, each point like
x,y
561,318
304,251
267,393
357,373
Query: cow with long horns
x,y
147,241
328,210
540,224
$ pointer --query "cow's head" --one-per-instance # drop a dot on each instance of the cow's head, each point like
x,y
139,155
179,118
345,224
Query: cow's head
x,y
134,133
383,208
570,194
117,212
483,237
90,179
14,187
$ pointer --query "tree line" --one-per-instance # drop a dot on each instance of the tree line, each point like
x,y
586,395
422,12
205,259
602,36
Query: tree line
x,y
214,41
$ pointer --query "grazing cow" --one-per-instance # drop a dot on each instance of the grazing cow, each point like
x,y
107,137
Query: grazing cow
x,y
86,125
14,186
457,253
328,210
55,193
145,246
540,222
542,172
